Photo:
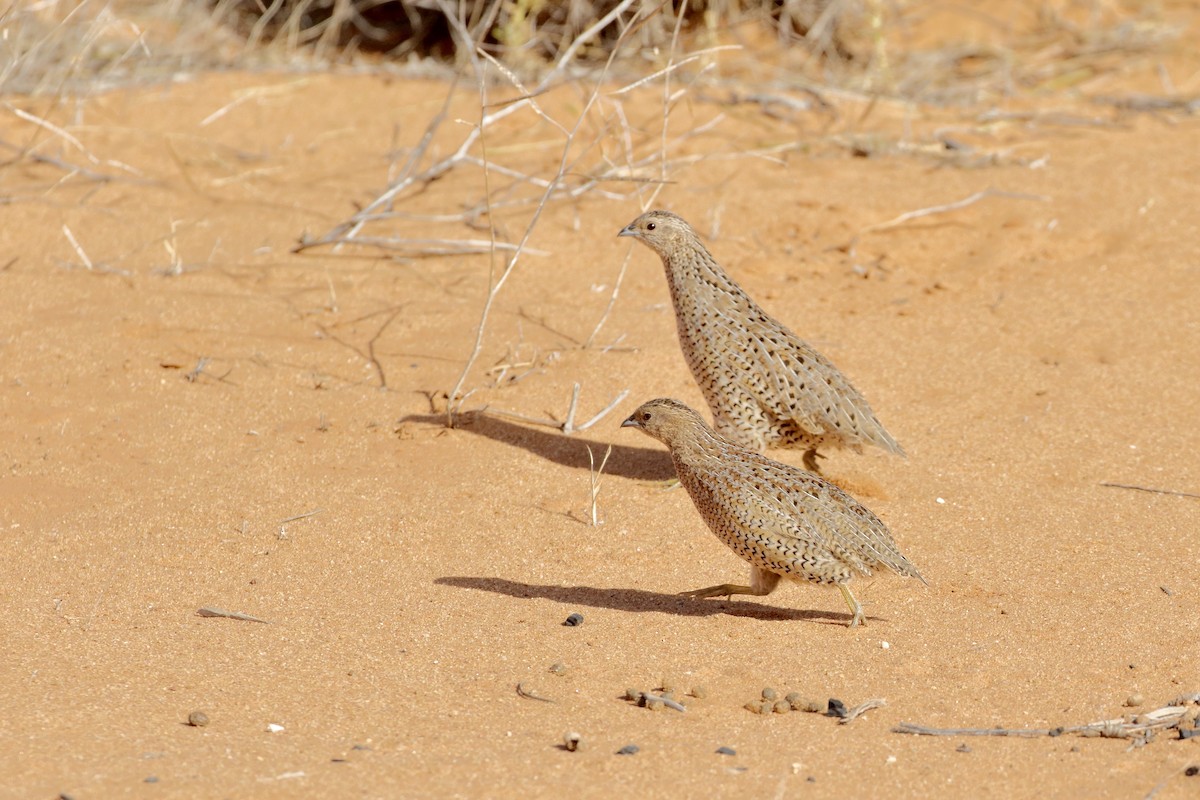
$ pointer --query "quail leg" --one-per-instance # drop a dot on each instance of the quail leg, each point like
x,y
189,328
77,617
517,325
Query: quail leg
x,y
858,618
762,583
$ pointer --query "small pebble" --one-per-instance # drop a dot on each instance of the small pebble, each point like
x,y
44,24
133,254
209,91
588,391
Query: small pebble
x,y
836,708
885,645
814,707
151,779
1134,700
754,707
573,620
628,750
1189,733
963,748
726,751
1192,771
197,719
274,728
668,684
700,692
811,779
643,698
632,694
794,700
781,707
654,703
768,693
573,741
558,669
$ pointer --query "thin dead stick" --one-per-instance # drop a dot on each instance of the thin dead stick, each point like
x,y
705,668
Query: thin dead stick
x,y
612,298
1149,489
87,262
211,611
553,423
569,426
908,216
1161,784
921,730
672,67
1161,718
284,523
522,691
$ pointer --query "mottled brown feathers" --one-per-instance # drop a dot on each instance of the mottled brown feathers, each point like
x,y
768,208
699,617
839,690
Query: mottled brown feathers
x,y
784,521
766,387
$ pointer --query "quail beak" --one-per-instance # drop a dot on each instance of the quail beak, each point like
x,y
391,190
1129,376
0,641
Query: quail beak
x,y
628,230
631,422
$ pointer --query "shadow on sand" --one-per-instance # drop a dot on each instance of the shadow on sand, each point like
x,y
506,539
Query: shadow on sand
x,y
639,600
626,461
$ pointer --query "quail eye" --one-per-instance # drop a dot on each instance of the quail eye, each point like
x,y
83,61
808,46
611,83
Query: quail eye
x,y
645,416
650,226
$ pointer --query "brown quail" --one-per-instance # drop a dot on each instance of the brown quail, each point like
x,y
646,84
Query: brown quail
x,y
786,522
766,386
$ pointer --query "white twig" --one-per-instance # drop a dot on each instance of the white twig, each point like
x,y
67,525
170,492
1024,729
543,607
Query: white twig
x,y
908,216
594,481
87,262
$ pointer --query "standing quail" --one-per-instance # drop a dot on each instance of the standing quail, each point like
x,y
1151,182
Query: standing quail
x,y
766,386
786,522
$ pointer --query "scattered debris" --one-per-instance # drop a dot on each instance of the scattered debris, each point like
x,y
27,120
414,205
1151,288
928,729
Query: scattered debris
x,y
654,702
699,692
768,693
529,695
1134,700
1139,730
273,727
212,611
836,708
198,719
726,751
860,709
573,742
628,750
573,620
558,669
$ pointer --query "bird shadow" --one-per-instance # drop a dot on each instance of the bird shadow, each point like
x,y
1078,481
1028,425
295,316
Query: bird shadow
x,y
626,461
641,601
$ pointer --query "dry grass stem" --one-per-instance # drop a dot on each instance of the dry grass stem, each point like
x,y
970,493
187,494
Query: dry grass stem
x,y
908,216
594,474
1149,489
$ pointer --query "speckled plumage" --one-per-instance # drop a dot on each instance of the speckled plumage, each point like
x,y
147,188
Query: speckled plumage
x,y
786,522
766,387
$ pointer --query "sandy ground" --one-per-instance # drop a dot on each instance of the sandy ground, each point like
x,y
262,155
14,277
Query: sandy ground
x,y
1023,349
